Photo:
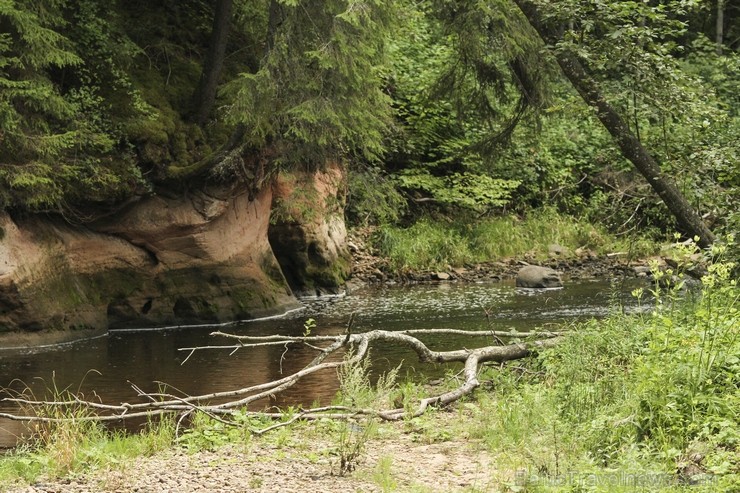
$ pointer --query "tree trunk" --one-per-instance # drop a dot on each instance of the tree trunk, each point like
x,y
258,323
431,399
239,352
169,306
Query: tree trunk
x,y
720,25
689,221
276,16
205,95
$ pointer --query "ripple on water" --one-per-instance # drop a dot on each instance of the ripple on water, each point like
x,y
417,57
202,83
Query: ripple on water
x,y
470,305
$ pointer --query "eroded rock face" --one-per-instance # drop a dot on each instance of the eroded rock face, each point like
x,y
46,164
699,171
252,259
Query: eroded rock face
x,y
534,276
163,261
308,233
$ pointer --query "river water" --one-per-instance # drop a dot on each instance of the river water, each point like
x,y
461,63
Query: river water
x,y
106,367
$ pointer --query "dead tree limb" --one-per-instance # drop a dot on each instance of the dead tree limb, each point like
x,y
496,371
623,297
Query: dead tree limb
x,y
354,348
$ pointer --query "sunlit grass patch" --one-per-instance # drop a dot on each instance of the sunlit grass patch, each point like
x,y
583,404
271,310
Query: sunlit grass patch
x,y
76,446
434,244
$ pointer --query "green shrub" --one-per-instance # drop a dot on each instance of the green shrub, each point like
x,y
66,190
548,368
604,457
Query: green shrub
x,y
373,198
663,383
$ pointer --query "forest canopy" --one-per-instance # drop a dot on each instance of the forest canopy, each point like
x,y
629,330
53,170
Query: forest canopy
x,y
435,105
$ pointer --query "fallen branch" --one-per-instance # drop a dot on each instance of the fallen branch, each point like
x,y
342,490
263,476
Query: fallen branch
x,y
355,347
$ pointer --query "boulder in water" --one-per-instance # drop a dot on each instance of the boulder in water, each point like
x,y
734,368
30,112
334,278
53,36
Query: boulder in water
x,y
535,276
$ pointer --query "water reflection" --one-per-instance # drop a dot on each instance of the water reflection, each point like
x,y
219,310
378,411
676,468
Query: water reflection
x,y
145,358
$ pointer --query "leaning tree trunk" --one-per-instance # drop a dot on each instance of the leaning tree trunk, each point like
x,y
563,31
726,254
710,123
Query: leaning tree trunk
x,y
687,218
205,95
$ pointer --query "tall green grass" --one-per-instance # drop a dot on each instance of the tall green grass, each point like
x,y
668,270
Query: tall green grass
x,y
433,244
76,445
640,398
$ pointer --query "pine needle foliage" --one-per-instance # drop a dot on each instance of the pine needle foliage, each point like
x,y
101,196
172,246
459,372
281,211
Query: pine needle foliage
x,y
59,71
499,72
444,112
318,92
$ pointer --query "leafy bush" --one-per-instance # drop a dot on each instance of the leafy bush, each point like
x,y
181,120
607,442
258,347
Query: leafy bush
x,y
664,382
373,198
686,379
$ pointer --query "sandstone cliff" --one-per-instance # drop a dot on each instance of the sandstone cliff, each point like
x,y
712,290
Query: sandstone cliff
x,y
200,258
308,233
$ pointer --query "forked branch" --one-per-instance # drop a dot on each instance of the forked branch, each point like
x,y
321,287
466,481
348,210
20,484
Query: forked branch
x,y
354,348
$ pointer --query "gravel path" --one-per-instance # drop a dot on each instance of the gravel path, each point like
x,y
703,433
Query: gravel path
x,y
396,459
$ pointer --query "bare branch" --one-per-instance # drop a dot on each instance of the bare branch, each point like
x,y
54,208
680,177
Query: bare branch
x,y
233,401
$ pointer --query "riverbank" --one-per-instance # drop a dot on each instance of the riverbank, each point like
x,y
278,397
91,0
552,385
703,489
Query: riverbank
x,y
369,266
433,454
14,341
616,406
627,403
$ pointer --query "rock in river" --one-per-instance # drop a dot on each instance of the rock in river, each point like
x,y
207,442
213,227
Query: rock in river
x,y
534,276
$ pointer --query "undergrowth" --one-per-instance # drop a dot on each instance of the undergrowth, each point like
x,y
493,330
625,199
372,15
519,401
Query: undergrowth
x,y
647,402
76,445
432,244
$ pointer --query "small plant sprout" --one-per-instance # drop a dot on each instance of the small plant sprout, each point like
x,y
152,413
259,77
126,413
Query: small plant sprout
x,y
308,326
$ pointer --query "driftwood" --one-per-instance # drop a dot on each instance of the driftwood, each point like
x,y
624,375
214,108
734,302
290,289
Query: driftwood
x,y
355,346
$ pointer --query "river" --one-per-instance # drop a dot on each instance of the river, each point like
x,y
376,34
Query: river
x,y
105,367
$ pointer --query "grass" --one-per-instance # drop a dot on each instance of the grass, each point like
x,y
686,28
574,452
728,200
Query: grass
x,y
645,402
383,474
78,447
433,244
73,443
